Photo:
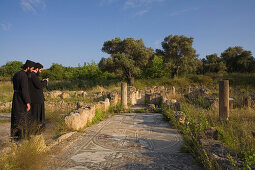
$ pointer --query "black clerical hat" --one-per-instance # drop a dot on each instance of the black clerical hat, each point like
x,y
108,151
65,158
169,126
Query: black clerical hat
x,y
29,63
38,65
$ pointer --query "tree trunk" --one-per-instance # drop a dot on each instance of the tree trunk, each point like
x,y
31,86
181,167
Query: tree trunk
x,y
174,73
131,81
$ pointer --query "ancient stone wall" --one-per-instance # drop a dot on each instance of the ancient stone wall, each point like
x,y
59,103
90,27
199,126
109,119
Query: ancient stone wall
x,y
79,118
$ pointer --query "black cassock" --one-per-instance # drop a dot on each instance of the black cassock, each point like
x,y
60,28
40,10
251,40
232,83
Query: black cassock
x,y
20,118
37,98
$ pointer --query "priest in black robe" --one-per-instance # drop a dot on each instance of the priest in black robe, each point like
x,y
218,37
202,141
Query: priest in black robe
x,y
21,115
37,97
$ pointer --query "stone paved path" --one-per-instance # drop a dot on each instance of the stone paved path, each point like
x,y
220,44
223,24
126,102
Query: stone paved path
x,y
126,141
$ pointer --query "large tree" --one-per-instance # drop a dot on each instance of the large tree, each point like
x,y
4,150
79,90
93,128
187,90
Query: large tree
x,y
213,63
238,60
127,57
179,55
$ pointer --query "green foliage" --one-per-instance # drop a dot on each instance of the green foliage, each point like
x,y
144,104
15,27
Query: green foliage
x,y
55,72
238,60
179,55
101,115
155,68
88,72
225,137
190,133
10,68
118,108
202,80
214,64
249,158
128,57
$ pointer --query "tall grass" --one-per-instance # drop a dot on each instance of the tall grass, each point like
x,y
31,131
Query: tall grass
x,y
236,134
29,155
56,121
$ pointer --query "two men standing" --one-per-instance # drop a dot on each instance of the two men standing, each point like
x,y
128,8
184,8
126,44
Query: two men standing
x,y
28,101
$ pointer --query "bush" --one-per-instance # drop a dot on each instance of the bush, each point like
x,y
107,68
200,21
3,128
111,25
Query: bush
x,y
10,68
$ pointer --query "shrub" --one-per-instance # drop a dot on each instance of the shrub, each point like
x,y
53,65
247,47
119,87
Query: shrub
x,y
10,68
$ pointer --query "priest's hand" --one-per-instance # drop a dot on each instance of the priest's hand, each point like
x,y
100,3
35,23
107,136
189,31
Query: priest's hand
x,y
47,79
28,107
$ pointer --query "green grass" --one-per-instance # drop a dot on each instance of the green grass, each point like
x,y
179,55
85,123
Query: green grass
x,y
6,91
235,134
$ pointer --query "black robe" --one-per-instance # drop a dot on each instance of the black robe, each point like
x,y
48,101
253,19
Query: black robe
x,y
37,98
20,118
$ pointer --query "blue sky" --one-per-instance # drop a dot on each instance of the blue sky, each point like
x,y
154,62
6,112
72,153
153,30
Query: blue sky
x,y
71,32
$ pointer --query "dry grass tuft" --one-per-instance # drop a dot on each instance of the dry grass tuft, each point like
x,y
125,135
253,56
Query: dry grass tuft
x,y
29,155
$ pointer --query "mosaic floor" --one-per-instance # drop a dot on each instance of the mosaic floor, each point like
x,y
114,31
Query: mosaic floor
x,y
127,141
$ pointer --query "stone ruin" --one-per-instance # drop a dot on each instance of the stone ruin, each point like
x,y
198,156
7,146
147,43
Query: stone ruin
x,y
79,118
155,96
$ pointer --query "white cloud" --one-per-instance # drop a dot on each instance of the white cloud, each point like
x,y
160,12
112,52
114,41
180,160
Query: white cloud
x,y
139,3
180,12
32,5
6,27
142,12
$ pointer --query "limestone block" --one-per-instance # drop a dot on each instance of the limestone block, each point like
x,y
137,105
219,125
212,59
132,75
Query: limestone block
x,y
151,107
65,95
154,98
114,98
107,104
73,121
212,133
80,94
55,94
84,114
100,105
138,95
133,98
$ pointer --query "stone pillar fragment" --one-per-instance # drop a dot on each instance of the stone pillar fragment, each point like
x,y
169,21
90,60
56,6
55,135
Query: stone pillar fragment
x,y
173,91
189,89
224,100
124,95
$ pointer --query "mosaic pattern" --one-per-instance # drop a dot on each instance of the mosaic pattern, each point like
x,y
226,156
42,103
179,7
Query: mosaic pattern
x,y
127,141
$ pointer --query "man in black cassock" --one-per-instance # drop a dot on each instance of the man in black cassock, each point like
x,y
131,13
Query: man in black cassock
x,y
21,115
37,97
